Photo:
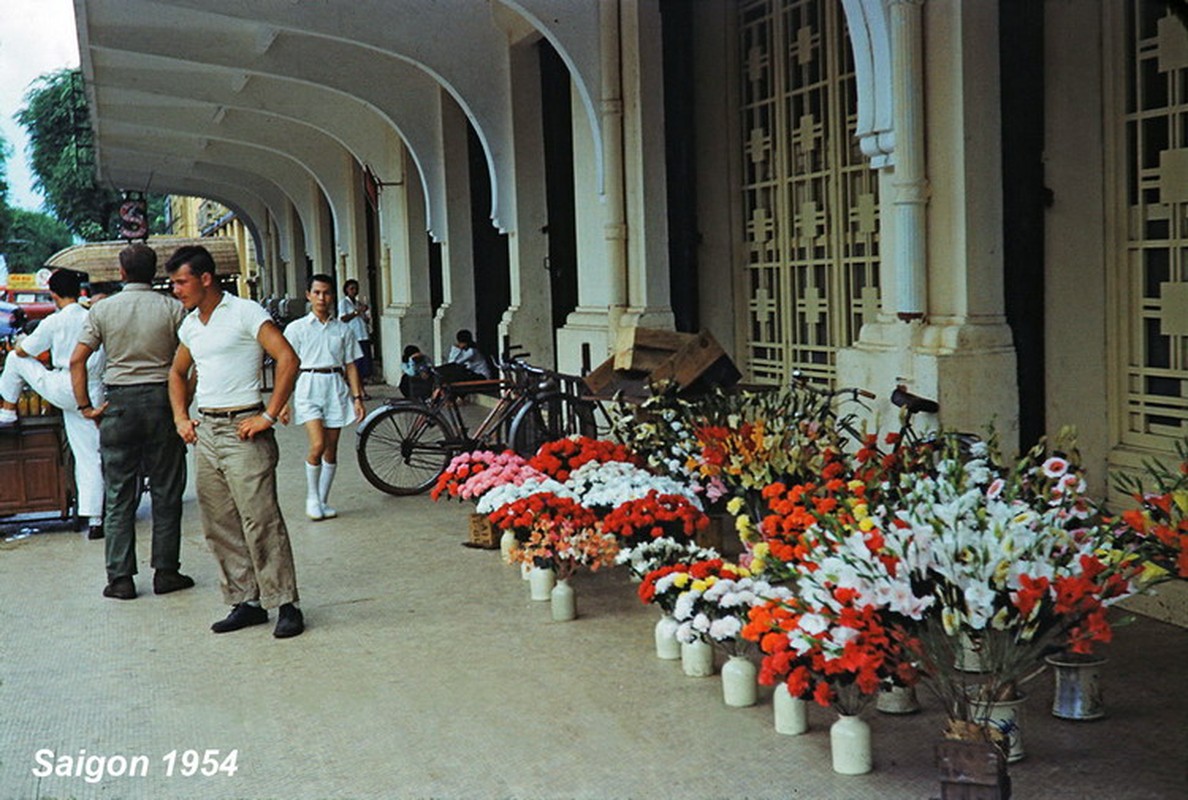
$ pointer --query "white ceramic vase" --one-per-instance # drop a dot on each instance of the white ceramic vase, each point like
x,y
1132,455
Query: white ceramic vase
x,y
541,583
1078,694
740,682
1005,716
849,745
790,713
667,646
563,601
697,658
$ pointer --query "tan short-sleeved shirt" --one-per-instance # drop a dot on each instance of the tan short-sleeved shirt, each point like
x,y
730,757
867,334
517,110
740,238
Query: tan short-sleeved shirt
x,y
138,329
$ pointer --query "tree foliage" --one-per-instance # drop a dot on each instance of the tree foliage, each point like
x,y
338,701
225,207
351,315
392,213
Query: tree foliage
x,y
62,156
5,212
34,238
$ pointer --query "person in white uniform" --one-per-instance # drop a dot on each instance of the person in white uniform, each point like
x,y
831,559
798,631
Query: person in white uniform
x,y
329,392
58,333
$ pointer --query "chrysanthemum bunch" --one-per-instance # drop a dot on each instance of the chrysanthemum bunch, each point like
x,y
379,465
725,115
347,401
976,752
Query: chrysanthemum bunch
x,y
655,553
501,494
565,545
602,486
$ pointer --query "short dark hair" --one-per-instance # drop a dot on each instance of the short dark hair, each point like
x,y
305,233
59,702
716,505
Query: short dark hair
x,y
410,351
65,283
464,336
139,262
349,282
197,256
320,277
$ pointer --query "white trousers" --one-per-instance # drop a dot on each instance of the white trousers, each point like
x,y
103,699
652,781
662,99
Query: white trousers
x,y
81,433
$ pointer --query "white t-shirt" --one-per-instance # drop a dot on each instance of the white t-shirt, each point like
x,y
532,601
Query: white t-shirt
x,y
226,352
323,344
357,324
59,333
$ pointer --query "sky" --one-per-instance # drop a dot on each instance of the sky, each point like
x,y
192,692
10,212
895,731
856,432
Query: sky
x,y
36,37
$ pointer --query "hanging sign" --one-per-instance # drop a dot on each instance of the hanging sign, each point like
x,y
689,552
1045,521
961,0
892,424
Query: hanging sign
x,y
134,217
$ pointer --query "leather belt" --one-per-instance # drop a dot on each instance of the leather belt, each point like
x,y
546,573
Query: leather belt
x,y
323,370
231,412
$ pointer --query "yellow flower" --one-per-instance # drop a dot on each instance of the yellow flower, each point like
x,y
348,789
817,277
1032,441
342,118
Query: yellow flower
x,y
681,580
865,524
758,565
1181,499
743,572
761,550
951,619
1152,572
734,505
854,485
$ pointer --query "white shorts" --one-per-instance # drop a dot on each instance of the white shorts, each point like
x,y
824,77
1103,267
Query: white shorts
x,y
324,396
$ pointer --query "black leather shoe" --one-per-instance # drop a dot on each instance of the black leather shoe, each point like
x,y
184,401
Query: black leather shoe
x,y
170,580
289,621
95,532
241,616
120,589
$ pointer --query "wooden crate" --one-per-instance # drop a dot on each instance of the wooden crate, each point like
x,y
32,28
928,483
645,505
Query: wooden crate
x,y
483,534
972,771
692,361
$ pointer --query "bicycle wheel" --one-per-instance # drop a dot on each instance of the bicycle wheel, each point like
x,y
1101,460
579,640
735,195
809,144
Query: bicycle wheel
x,y
548,418
403,448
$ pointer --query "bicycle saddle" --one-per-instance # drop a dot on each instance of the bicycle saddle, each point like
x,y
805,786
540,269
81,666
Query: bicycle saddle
x,y
913,403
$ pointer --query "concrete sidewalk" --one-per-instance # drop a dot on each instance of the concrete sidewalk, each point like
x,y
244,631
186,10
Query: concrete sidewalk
x,y
426,671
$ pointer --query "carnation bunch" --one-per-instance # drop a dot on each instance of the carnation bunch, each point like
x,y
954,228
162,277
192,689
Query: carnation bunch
x,y
538,511
493,499
663,585
558,459
654,516
470,475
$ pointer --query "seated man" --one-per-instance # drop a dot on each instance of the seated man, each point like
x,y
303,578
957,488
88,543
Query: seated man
x,y
58,333
465,361
414,382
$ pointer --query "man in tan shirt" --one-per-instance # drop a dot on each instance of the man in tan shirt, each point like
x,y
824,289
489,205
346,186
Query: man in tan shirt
x,y
138,329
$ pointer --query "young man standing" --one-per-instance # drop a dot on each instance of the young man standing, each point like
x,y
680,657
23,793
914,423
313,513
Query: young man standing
x,y
137,328
58,333
357,314
224,338
322,401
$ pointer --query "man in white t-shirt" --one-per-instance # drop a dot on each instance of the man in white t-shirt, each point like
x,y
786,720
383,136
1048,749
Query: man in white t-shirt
x,y
357,314
329,392
224,339
58,333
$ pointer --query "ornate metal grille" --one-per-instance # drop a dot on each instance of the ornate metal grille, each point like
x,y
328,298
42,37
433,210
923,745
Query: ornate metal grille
x,y
810,198
1153,316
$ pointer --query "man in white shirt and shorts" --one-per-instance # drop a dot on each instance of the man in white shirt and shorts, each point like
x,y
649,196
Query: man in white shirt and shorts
x,y
58,333
224,339
322,400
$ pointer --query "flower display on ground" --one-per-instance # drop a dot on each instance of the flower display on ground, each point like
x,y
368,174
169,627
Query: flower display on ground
x,y
662,586
565,545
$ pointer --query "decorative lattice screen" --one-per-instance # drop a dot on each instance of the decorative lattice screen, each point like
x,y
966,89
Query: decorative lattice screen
x,y
810,198
1154,315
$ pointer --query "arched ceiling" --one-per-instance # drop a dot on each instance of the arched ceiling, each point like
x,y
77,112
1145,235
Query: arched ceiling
x,y
393,57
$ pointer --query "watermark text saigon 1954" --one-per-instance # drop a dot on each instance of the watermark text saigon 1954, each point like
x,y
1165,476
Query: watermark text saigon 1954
x,y
94,767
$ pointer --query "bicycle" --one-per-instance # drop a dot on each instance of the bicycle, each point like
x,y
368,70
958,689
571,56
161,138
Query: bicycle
x,y
404,445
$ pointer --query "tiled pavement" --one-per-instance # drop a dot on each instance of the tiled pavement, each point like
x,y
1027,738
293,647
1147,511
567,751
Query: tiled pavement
x,y
427,672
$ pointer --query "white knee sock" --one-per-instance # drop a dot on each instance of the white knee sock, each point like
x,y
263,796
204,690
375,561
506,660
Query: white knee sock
x,y
313,503
327,479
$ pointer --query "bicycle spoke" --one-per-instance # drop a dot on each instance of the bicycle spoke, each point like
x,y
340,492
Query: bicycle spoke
x,y
403,450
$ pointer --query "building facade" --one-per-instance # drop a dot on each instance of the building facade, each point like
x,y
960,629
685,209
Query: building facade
x,y
984,201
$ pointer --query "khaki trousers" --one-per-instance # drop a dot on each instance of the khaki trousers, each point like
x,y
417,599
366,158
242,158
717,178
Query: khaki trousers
x,y
240,515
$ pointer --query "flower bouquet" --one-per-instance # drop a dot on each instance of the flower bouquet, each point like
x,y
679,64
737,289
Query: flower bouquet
x,y
602,486
1158,526
716,607
565,544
